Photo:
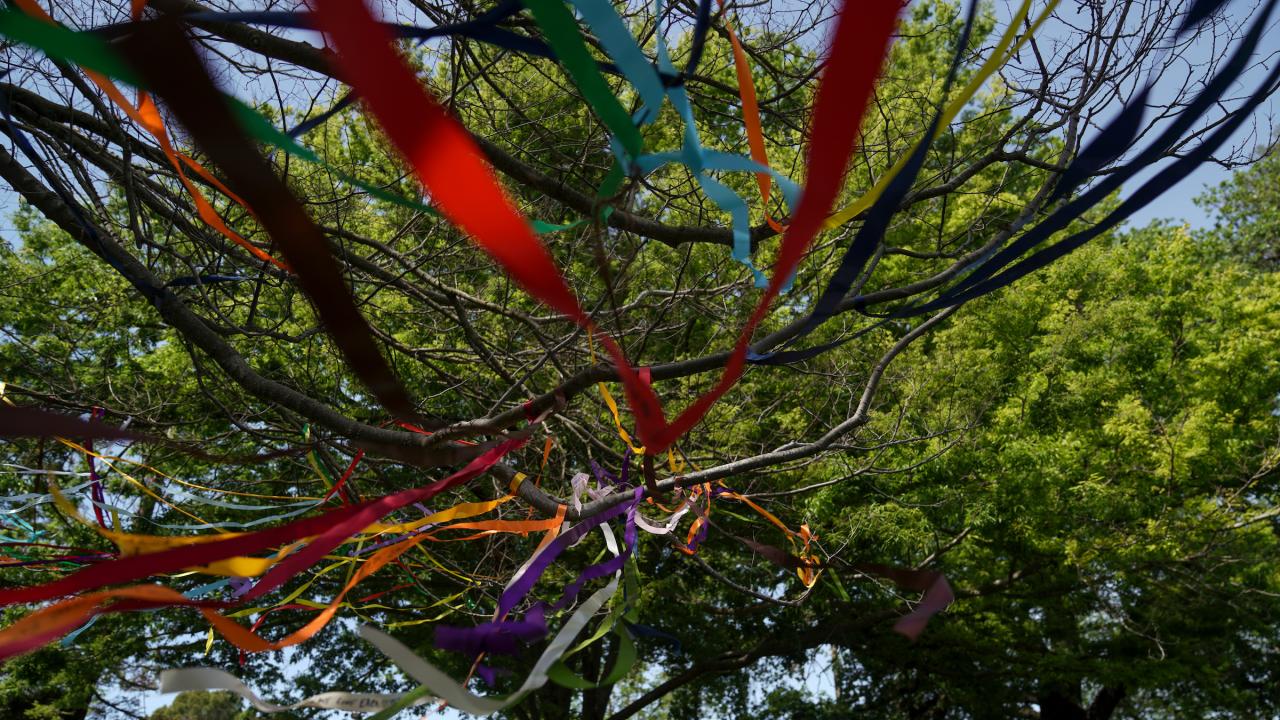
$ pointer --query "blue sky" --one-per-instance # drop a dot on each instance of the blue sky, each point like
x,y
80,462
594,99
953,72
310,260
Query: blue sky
x,y
1176,204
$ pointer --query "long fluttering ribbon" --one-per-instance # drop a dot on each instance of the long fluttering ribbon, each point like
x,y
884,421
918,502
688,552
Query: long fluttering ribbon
x,y
871,234
481,210
328,530
1004,268
161,55
458,696
1005,49
188,679
450,167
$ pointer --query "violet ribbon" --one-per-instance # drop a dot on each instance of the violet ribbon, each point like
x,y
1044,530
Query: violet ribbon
x,y
494,637
522,587
499,636
613,564
490,674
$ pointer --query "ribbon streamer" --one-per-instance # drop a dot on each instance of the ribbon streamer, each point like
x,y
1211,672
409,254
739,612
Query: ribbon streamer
x,y
187,679
984,279
871,234
458,696
329,530
162,56
468,195
1005,49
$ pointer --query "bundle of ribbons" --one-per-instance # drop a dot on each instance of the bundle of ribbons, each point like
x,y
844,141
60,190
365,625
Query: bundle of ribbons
x,y
154,55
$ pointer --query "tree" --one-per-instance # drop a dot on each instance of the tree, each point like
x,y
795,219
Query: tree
x,y
1117,495
904,447
1245,211
201,706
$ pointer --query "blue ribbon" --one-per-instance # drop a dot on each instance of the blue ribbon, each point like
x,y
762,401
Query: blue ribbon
x,y
985,279
871,234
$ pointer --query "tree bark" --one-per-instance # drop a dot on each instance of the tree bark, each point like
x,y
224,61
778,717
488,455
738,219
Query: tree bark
x,y
1058,704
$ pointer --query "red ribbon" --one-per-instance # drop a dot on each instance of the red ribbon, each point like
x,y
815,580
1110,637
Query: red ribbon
x,y
329,530
339,486
451,168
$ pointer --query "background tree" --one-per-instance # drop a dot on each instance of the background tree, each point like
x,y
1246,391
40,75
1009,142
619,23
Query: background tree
x,y
202,706
1246,210
1087,456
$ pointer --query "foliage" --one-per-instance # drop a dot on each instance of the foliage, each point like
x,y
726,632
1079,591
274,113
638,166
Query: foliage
x,y
202,706
1116,499
1246,209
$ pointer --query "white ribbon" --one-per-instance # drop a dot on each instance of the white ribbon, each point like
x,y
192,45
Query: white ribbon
x,y
456,694
415,667
211,679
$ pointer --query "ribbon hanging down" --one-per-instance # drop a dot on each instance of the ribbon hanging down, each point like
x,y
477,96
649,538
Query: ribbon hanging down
x,y
446,160
328,531
434,679
871,234
483,637
188,679
1004,268
450,167
455,694
1004,50
160,54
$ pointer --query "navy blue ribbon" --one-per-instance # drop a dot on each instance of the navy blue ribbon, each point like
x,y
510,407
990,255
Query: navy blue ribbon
x,y
94,240
1167,178
484,28
985,278
1200,11
872,231
701,24
1103,150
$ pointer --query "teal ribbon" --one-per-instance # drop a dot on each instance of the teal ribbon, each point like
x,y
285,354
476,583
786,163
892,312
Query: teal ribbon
x,y
617,40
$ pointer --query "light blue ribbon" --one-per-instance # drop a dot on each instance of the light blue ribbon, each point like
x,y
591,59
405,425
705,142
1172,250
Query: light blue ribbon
x,y
617,40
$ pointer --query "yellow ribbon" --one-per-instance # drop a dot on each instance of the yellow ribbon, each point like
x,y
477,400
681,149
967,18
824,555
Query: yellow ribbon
x,y
1004,50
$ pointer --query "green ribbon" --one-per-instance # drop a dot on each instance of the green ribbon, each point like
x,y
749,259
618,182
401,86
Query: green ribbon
x,y
561,31
83,49
90,52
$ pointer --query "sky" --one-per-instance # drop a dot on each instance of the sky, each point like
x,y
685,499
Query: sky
x,y
1176,204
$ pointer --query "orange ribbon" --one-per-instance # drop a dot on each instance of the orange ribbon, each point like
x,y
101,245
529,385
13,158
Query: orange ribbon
x,y
148,117
751,119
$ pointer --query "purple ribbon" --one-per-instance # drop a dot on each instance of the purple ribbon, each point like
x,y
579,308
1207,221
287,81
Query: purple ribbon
x,y
240,586
490,674
499,636
603,474
613,564
495,637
